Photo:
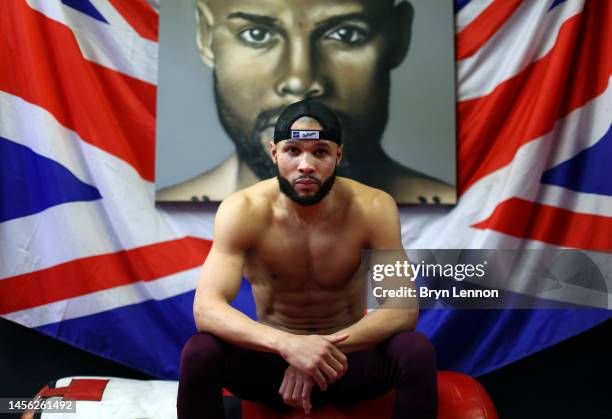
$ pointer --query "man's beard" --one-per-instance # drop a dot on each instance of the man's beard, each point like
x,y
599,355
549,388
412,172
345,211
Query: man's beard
x,y
251,151
288,188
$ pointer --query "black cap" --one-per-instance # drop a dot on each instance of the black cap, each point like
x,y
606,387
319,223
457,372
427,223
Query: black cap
x,y
314,109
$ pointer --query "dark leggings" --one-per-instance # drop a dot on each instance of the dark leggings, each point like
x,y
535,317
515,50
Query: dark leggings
x,y
405,362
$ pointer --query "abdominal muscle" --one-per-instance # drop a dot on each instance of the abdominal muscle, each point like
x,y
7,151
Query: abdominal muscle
x,y
309,309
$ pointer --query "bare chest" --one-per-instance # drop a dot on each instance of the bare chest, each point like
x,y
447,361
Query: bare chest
x,y
290,257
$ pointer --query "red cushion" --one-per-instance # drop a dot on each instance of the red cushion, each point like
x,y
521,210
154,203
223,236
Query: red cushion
x,y
460,397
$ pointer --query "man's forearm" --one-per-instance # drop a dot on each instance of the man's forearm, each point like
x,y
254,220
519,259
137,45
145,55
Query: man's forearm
x,y
376,327
229,324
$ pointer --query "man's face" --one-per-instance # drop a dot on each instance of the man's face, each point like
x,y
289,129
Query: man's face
x,y
267,54
306,169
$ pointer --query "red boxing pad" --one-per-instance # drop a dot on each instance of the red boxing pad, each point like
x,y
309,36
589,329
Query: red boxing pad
x,y
459,397
462,397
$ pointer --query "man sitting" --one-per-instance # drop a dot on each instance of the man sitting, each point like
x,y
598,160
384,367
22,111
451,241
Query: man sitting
x,y
298,240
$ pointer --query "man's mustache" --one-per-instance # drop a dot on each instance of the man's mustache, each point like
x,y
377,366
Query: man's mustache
x,y
311,178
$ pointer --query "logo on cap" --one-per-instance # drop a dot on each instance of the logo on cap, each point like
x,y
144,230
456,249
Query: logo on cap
x,y
305,135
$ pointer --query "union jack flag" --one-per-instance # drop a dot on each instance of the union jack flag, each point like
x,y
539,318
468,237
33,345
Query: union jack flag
x,y
87,257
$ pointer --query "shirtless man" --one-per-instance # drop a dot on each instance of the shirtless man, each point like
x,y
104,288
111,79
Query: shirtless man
x,y
298,240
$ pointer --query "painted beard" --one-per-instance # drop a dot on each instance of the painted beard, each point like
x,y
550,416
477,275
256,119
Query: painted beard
x,y
288,189
248,147
251,150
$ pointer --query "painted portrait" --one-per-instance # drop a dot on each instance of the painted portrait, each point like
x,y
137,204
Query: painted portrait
x,y
249,59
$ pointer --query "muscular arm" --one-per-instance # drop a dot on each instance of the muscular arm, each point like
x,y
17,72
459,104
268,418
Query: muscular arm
x,y
380,324
221,278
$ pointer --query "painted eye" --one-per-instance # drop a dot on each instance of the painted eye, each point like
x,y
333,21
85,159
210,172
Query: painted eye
x,y
256,36
348,35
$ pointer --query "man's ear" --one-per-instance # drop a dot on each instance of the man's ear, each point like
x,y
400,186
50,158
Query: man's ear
x,y
272,149
339,154
205,22
403,15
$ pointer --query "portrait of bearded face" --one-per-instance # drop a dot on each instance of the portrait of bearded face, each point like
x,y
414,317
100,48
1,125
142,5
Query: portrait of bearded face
x,y
267,54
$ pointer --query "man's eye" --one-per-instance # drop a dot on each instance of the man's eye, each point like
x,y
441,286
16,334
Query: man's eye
x,y
320,153
348,35
255,36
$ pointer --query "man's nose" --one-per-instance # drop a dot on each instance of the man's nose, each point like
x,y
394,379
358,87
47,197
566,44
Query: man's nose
x,y
299,74
306,165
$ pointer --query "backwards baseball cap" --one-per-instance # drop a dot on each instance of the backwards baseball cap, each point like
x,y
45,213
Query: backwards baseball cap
x,y
309,107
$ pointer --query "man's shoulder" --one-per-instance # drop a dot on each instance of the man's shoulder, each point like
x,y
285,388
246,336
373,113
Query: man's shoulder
x,y
243,216
375,213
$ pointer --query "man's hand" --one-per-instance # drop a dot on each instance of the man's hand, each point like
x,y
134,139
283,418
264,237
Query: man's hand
x,y
296,389
316,356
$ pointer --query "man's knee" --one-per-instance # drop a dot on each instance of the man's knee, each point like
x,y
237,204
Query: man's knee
x,y
200,376
202,354
413,353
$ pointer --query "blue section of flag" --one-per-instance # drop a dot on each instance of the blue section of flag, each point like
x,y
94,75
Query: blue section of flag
x,y
460,4
149,336
146,336
30,183
85,6
555,4
479,341
588,172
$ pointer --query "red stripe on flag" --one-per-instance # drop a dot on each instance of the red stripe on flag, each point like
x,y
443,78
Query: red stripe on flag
x,y
102,272
478,32
520,218
42,63
140,15
527,106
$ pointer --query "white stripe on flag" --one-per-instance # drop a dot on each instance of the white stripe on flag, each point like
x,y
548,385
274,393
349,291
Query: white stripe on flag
x,y
521,178
470,12
37,129
586,203
529,34
115,46
125,218
110,299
